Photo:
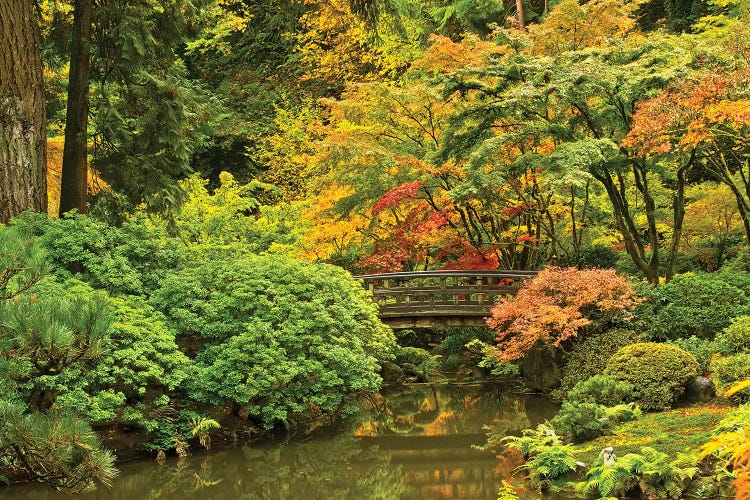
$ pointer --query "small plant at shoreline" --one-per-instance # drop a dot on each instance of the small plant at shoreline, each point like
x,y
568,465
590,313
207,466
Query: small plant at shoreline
x,y
201,428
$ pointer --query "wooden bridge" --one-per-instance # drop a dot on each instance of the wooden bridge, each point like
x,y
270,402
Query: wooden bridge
x,y
432,299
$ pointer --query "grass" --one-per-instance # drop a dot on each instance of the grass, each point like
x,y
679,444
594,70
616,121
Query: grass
x,y
671,432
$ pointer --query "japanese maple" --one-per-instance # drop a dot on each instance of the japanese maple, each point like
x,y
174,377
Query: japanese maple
x,y
556,305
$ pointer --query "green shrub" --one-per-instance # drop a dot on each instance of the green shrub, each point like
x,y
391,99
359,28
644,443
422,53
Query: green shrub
x,y
589,357
694,304
702,349
657,372
131,259
727,370
549,464
735,338
486,357
55,448
420,361
456,338
600,256
586,421
410,338
602,390
274,335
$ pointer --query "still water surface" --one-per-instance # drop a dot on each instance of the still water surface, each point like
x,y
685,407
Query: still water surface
x,y
412,444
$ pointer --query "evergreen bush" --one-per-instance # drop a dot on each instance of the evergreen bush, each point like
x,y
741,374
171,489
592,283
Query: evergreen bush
x,y
657,372
589,357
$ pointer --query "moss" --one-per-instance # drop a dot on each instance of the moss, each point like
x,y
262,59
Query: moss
x,y
670,432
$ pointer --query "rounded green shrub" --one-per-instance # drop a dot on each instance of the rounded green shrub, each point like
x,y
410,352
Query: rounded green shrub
x,y
657,372
589,357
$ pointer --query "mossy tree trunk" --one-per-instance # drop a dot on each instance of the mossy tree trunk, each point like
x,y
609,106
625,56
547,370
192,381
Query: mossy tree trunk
x,y
23,142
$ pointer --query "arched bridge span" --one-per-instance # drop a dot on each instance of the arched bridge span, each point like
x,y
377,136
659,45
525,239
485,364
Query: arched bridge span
x,y
432,299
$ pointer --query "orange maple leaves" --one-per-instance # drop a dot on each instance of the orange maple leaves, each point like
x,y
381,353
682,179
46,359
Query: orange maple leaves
x,y
711,109
555,305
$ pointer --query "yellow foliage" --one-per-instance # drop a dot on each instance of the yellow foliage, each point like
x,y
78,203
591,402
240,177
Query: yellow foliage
x,y
338,48
447,56
573,26
326,233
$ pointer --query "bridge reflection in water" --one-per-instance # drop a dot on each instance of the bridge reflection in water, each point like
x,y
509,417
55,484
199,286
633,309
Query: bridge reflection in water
x,y
433,299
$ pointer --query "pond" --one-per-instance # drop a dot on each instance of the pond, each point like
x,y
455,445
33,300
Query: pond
x,y
414,443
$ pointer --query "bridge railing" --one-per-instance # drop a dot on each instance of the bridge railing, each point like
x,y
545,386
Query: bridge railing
x,y
441,293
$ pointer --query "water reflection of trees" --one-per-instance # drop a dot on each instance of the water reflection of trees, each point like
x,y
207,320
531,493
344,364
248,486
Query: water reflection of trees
x,y
450,410
389,461
326,468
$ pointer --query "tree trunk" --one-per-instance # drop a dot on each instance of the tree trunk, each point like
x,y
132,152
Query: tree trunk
x,y
23,140
519,9
73,189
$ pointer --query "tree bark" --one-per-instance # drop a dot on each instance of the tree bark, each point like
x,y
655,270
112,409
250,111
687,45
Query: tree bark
x,y
23,140
521,19
74,184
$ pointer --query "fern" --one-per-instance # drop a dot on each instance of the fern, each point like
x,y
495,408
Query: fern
x,y
533,441
550,463
651,471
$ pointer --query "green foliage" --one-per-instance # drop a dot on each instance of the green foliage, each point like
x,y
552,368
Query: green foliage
x,y
234,219
602,390
531,441
657,372
131,259
57,449
275,335
456,339
735,338
600,256
728,370
488,358
142,363
549,464
702,349
457,17
43,338
590,356
424,364
585,421
548,458
22,261
693,304
506,492
651,472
